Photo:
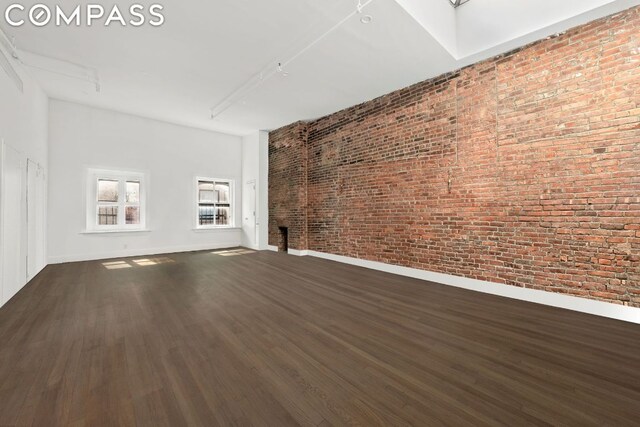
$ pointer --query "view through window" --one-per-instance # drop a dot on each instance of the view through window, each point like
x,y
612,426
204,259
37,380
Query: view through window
x,y
214,203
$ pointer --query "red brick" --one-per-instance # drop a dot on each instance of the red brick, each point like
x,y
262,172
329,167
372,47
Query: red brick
x,y
523,169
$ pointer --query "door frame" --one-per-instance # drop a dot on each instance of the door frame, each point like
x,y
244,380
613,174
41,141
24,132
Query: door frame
x,y
23,232
2,237
256,233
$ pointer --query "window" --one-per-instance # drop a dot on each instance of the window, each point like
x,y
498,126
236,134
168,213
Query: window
x,y
115,201
214,203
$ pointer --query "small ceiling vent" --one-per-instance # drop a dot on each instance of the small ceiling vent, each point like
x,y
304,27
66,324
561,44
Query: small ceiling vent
x,y
456,3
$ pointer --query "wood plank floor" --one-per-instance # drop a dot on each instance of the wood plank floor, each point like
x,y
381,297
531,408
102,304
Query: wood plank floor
x,y
270,339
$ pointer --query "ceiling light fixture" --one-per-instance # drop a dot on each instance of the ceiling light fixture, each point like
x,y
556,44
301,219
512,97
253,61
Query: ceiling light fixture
x,y
365,19
456,3
281,70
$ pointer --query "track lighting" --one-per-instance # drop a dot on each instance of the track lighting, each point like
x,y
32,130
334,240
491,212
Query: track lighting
x,y
456,3
269,71
281,70
366,19
14,49
10,45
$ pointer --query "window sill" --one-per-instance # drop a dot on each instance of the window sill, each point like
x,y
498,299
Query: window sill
x,y
204,230
144,230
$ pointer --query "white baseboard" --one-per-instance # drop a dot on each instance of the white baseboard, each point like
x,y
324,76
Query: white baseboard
x,y
139,252
38,270
297,252
272,248
583,305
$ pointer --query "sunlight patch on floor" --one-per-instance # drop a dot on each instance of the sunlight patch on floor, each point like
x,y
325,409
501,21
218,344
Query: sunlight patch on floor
x,y
116,265
233,252
153,261
143,262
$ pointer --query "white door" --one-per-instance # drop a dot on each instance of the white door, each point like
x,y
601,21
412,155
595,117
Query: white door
x,y
13,222
249,215
35,218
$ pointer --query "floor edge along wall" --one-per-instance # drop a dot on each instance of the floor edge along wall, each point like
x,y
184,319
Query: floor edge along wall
x,y
568,302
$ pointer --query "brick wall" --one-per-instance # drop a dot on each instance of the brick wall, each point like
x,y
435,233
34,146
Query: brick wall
x,y
288,185
523,169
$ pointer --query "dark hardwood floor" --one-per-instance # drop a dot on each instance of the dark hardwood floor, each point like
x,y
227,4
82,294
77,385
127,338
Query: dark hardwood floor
x,y
271,339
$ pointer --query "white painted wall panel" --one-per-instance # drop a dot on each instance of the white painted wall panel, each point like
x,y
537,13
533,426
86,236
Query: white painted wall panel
x,y
255,169
82,137
23,128
36,218
13,222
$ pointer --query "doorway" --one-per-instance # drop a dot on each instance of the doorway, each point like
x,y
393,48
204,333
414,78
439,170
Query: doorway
x,y
250,222
14,221
22,220
36,195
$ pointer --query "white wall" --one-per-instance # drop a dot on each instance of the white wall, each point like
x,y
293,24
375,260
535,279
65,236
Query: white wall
x,y
23,131
171,155
255,168
23,116
522,22
249,199
263,190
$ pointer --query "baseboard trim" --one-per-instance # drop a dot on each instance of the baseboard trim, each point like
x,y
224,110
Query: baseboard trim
x,y
39,270
297,252
272,248
583,305
125,253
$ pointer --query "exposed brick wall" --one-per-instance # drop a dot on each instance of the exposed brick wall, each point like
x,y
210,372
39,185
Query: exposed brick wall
x,y
288,185
523,169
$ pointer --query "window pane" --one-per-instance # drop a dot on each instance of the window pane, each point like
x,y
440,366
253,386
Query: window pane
x,y
107,215
205,190
222,193
222,216
107,190
206,215
132,215
133,192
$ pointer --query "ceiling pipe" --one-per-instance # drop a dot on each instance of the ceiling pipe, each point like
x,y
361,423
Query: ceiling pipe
x,y
277,67
86,74
8,45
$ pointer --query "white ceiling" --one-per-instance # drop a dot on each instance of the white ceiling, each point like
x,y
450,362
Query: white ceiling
x,y
209,54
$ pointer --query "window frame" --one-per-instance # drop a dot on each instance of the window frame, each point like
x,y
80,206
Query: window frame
x,y
93,204
232,199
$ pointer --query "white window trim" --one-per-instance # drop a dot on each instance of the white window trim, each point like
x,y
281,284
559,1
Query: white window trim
x,y
196,204
93,175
